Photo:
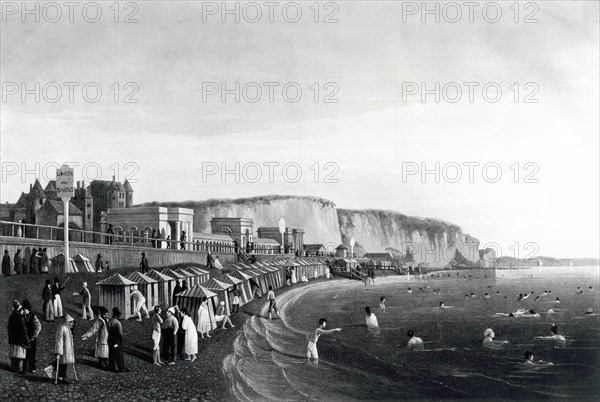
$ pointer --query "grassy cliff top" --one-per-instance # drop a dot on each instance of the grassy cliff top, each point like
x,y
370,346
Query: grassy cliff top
x,y
261,199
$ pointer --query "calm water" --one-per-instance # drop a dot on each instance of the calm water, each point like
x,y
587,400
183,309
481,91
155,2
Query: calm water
x,y
269,361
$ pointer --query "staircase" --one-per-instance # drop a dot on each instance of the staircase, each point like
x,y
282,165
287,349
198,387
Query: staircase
x,y
243,257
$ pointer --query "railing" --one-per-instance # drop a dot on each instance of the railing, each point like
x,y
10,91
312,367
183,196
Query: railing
x,y
44,232
354,274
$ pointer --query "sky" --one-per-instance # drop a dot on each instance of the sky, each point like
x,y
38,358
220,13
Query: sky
x,y
165,121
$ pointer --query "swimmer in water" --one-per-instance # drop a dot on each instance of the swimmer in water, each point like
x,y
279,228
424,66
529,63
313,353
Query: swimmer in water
x,y
579,291
589,311
529,360
409,290
370,318
466,296
382,302
537,298
554,335
473,295
442,305
489,342
414,343
486,296
314,337
557,300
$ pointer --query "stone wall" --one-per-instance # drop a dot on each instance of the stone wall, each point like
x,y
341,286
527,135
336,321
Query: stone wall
x,y
118,256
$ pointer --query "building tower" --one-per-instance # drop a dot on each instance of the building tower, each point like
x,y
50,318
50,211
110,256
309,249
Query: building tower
x,y
128,194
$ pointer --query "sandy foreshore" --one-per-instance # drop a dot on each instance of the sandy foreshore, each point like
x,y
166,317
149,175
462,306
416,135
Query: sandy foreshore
x,y
201,380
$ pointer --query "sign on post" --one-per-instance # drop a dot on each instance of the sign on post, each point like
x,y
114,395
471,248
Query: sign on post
x,y
64,191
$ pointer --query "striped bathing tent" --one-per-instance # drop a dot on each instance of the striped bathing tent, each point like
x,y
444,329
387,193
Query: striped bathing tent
x,y
270,275
175,277
83,263
191,300
238,284
245,285
277,271
114,292
222,289
259,278
311,265
164,287
58,264
148,286
202,274
190,278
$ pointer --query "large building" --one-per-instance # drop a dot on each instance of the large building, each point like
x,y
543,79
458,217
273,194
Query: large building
x,y
241,230
41,206
293,239
108,194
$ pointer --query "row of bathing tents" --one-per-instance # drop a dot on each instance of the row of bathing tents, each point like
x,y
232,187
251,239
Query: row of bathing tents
x,y
158,286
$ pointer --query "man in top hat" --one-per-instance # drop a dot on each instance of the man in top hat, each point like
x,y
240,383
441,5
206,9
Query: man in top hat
x,y
6,264
169,328
176,290
56,300
138,301
48,299
116,361
33,330
100,330
99,263
18,341
63,347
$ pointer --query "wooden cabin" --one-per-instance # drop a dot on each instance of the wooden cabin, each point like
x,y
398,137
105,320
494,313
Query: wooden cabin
x,y
164,287
114,292
148,286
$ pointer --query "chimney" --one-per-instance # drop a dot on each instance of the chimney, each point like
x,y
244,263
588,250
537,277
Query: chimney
x,y
83,184
78,184
113,178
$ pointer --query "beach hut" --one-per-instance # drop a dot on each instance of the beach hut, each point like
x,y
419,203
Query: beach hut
x,y
238,284
259,278
202,274
192,298
114,292
148,286
175,277
270,277
245,278
190,278
222,289
58,265
164,286
83,264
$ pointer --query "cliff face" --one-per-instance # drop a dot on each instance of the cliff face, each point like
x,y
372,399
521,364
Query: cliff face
x,y
317,217
428,240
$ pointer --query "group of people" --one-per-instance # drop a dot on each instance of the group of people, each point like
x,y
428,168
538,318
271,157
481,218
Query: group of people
x,y
37,262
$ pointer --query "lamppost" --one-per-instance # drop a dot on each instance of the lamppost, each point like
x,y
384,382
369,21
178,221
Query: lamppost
x,y
282,231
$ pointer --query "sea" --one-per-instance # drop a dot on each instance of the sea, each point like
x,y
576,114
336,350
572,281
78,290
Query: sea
x,y
269,359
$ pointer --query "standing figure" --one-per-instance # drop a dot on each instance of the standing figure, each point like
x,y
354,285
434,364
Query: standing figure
x,y
255,288
33,262
158,239
288,277
169,328
44,262
236,301
182,238
180,333
18,341
316,274
48,299
100,331
34,327
191,336
144,263
206,322
414,342
372,275
370,318
138,301
218,264
157,322
311,350
63,347
293,279
86,302
153,235
6,264
56,300
18,261
99,263
168,241
209,260
272,303
116,361
176,290
110,232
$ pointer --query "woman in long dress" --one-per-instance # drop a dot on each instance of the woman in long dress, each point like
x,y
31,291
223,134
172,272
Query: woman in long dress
x,y
205,321
218,264
294,280
191,336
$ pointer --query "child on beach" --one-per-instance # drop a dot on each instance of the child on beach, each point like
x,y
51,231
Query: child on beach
x,y
314,337
489,342
370,318
382,302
